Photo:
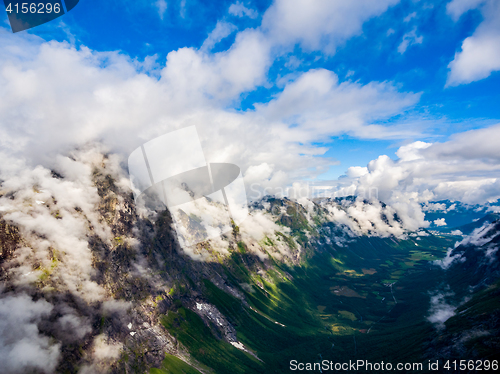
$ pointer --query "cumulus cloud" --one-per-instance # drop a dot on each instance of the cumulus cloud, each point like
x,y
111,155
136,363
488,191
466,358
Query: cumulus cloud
x,y
412,151
478,238
440,222
479,145
465,168
112,98
356,171
368,218
54,97
22,347
57,97
207,218
438,207
260,225
124,102
480,52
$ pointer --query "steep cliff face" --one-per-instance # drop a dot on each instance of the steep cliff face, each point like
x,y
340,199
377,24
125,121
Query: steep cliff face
x,y
96,276
72,281
476,258
473,289
93,283
9,240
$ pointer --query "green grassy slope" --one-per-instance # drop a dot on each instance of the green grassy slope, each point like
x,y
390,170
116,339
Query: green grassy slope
x,y
174,365
368,301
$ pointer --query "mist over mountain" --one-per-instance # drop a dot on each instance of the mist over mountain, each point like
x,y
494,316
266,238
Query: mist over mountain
x,y
93,283
250,186
470,297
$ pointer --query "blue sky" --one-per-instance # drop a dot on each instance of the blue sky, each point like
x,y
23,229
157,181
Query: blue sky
x,y
404,61
138,28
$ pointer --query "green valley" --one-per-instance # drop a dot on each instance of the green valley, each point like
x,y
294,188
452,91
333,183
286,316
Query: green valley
x,y
368,300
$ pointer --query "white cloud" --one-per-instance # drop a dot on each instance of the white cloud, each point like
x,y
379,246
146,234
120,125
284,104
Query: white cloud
x,y
440,310
22,348
456,8
480,236
55,253
410,38
465,168
410,16
58,226
356,171
319,24
104,352
449,259
240,10
123,102
221,31
108,96
479,145
440,222
365,219
196,77
412,151
162,7
257,173
54,97
432,207
480,53
182,11
319,105
293,62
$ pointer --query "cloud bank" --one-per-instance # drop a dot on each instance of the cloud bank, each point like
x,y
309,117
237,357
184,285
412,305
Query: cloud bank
x,y
465,168
55,96
22,347
480,52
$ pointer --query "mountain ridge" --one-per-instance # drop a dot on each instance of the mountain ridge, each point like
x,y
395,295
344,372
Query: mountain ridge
x,y
109,283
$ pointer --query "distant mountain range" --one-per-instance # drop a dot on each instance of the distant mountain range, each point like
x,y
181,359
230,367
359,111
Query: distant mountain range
x,y
459,216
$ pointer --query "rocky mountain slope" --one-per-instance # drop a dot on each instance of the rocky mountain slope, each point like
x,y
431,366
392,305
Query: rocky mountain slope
x,y
473,295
